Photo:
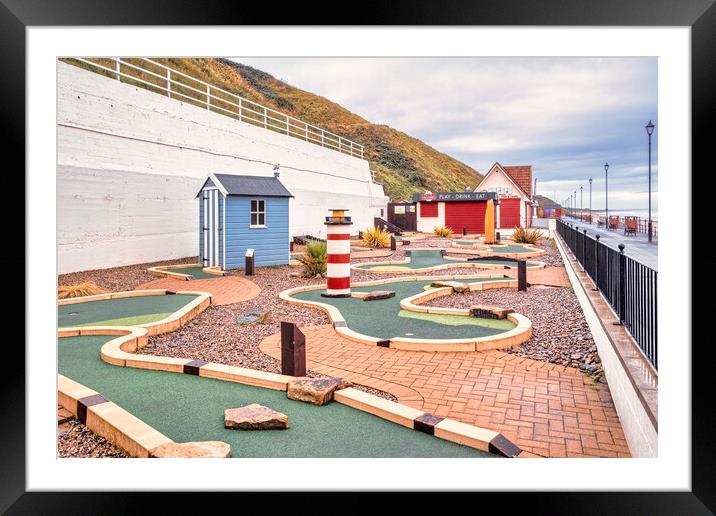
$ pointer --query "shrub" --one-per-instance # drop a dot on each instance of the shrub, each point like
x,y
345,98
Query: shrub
x,y
80,290
443,231
376,237
526,236
314,260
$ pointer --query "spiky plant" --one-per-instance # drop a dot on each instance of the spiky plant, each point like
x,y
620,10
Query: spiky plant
x,y
80,290
376,237
526,236
443,231
314,259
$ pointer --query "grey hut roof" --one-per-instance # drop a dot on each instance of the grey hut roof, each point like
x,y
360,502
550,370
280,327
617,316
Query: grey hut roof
x,y
264,186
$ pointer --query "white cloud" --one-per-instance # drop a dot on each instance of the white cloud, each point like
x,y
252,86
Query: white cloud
x,y
565,116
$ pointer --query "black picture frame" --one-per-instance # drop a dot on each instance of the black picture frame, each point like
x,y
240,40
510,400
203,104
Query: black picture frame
x,y
17,15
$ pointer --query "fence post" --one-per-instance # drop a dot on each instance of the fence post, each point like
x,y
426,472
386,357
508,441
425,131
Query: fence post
x,y
208,97
596,263
293,350
622,284
584,249
521,275
119,77
169,83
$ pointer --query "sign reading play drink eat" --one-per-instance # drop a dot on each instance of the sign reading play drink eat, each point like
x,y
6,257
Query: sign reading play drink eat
x,y
454,196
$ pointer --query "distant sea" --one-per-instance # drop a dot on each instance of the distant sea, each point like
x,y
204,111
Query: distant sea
x,y
631,212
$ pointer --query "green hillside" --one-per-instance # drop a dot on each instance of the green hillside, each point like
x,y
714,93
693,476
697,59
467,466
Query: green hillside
x,y
402,163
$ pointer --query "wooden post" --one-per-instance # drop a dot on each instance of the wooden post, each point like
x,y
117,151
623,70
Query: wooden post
x,y
249,267
293,350
522,275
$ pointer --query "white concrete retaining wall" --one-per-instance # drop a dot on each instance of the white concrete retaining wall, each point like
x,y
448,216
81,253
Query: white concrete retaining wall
x,y
131,161
641,436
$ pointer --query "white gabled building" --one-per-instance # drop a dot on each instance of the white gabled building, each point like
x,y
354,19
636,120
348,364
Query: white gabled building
x,y
513,186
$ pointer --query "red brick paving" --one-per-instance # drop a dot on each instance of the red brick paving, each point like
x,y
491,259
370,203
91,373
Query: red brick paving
x,y
225,290
546,409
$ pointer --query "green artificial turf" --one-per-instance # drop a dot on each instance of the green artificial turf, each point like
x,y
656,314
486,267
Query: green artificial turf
x,y
381,318
124,310
459,320
197,272
429,258
191,408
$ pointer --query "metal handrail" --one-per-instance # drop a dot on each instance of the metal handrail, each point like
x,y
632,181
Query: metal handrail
x,y
246,110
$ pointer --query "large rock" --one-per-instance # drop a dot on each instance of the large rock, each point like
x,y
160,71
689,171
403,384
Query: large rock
x,y
318,391
490,312
456,286
254,417
192,450
379,294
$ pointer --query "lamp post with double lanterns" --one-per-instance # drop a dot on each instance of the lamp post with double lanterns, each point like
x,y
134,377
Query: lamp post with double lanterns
x,y
649,130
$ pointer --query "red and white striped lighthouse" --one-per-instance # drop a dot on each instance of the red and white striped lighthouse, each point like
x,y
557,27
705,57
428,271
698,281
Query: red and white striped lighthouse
x,y
338,254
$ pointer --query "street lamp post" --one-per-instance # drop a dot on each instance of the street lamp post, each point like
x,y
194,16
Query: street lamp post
x,y
649,130
574,203
581,204
606,195
590,200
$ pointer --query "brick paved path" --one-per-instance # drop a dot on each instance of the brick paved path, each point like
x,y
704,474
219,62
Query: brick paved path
x,y
552,276
546,409
224,289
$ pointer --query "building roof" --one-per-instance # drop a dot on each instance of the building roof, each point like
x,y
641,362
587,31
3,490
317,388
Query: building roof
x,y
265,186
522,175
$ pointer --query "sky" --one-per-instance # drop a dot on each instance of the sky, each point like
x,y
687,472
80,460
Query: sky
x,y
564,116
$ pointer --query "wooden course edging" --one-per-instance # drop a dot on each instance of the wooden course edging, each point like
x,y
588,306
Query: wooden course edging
x,y
517,335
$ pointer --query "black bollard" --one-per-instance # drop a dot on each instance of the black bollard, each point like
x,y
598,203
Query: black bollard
x,y
464,231
290,246
392,243
497,236
521,275
293,350
249,267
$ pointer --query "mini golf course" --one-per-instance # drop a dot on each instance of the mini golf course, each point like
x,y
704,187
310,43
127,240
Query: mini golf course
x,y
190,408
429,259
384,319
123,311
186,407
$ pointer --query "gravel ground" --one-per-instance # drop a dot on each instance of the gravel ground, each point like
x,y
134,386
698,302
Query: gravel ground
x,y
118,279
560,334
75,440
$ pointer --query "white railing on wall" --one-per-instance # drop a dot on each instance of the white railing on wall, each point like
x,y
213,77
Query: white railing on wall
x,y
173,83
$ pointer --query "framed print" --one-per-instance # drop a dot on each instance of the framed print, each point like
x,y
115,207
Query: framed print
x,y
391,247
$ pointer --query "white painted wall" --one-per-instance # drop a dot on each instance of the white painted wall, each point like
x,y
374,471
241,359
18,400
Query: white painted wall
x,y
428,224
129,163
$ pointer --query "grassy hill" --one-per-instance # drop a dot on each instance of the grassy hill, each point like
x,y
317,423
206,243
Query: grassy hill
x,y
402,163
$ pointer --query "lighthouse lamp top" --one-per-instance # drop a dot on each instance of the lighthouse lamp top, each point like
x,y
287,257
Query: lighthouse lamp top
x,y
338,217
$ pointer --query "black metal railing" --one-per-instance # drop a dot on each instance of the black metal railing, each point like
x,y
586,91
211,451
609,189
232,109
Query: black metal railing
x,y
628,285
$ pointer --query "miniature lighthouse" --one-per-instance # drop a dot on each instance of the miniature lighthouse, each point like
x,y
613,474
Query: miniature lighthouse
x,y
338,254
